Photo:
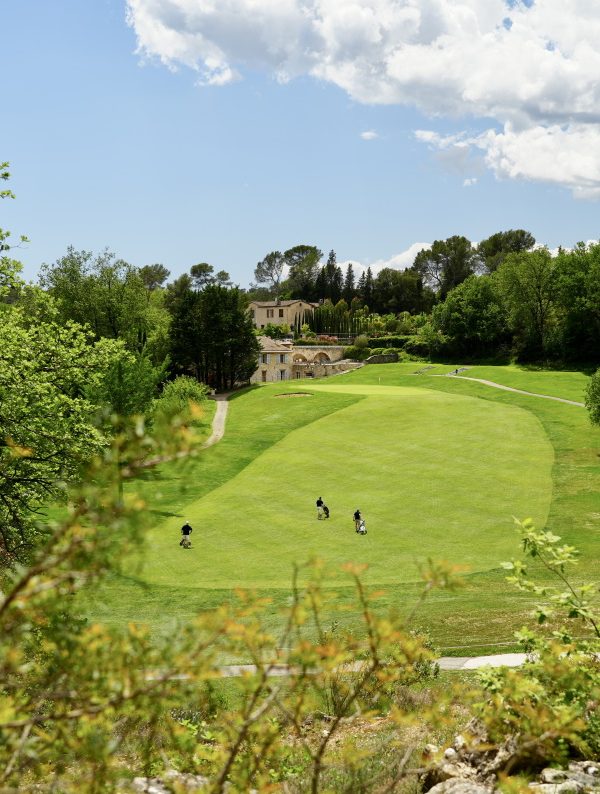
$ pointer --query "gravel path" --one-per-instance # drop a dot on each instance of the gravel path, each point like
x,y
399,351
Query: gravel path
x,y
219,419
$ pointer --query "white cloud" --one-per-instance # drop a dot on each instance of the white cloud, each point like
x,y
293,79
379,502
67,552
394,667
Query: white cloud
x,y
561,155
530,69
397,262
369,135
470,181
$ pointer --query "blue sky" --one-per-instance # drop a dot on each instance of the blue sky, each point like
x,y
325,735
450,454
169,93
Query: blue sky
x,y
117,140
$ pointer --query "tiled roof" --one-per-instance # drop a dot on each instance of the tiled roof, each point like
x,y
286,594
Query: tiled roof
x,y
268,345
275,304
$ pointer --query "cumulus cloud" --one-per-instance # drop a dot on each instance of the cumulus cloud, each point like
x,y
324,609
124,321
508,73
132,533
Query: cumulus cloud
x,y
397,262
531,68
562,155
369,135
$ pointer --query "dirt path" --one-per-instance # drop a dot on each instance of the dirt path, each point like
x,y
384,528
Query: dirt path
x,y
510,388
219,419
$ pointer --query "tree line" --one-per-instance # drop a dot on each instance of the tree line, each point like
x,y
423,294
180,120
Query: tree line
x,y
503,297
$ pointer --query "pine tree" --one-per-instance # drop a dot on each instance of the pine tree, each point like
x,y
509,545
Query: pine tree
x,y
349,291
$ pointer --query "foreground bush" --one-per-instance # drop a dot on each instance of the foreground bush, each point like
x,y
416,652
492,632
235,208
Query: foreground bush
x,y
83,706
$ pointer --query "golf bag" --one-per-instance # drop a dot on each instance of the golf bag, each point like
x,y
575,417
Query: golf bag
x,y
361,528
186,542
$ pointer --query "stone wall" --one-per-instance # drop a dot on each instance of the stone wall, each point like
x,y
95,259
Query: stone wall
x,y
383,358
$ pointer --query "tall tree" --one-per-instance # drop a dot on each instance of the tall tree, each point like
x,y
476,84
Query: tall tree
x,y
154,276
202,274
303,264
213,335
103,292
578,301
368,290
399,291
47,429
446,264
473,317
494,250
528,287
349,290
269,271
9,267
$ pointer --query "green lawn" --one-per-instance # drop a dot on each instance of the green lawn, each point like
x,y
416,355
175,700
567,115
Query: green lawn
x,y
437,465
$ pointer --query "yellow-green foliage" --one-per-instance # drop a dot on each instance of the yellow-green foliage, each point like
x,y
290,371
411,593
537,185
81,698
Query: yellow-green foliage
x,y
552,704
81,706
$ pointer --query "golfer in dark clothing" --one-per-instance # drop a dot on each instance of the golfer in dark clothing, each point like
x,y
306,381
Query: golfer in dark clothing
x,y
319,506
357,519
186,531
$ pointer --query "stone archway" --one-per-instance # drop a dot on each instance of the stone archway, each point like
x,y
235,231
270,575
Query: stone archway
x,y
321,357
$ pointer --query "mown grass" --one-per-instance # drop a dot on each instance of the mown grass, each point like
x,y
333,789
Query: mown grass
x,y
288,446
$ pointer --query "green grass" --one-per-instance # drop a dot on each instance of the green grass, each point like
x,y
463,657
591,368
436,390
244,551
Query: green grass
x,y
438,467
443,481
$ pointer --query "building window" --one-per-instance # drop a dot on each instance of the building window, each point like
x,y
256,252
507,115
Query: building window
x,y
282,358
281,374
281,312
253,314
264,376
270,313
264,358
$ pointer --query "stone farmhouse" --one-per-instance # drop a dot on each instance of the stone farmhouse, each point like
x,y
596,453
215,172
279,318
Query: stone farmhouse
x,y
283,360
290,312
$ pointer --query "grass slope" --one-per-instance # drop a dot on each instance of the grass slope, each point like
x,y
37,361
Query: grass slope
x,y
298,447
433,474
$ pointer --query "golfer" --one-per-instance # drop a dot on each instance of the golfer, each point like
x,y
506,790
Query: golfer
x,y
357,519
186,531
320,507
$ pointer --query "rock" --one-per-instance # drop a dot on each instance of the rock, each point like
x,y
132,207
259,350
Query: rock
x,y
447,771
165,783
430,750
460,743
568,787
585,767
450,754
553,775
148,785
458,786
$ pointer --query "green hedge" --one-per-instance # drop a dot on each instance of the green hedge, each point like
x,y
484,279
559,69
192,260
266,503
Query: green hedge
x,y
389,341
357,353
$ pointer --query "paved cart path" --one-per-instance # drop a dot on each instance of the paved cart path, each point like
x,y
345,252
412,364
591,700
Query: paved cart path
x,y
510,388
219,419
445,663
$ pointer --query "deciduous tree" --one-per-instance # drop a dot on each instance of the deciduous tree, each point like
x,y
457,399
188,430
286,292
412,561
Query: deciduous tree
x,y
269,271
446,264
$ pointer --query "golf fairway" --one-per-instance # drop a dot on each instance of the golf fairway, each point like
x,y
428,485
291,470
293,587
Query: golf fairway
x,y
435,475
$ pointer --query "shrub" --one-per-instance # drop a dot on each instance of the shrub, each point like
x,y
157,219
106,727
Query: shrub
x,y
383,351
357,353
592,398
417,346
391,341
178,397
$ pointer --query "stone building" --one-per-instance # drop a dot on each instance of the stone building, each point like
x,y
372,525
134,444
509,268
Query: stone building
x,y
281,360
290,312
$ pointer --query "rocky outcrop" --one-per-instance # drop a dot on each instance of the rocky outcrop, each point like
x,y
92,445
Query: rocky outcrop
x,y
475,766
